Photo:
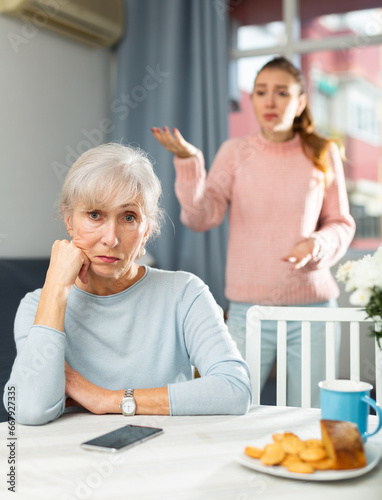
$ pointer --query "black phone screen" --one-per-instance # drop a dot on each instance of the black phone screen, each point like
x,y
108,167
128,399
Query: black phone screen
x,y
122,438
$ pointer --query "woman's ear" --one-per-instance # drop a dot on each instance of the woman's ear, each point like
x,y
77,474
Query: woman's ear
x,y
302,101
68,225
147,233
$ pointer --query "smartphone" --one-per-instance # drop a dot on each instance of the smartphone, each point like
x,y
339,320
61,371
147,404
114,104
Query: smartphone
x,y
122,438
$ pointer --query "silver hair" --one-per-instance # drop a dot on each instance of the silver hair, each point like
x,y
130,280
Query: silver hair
x,y
109,175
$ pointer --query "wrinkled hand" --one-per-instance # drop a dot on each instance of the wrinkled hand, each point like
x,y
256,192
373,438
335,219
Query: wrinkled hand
x,y
303,252
83,393
175,143
67,262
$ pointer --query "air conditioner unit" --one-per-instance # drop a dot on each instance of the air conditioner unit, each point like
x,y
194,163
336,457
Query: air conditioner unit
x,y
99,23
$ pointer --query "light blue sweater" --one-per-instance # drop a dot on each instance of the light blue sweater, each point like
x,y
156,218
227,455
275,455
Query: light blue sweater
x,y
144,337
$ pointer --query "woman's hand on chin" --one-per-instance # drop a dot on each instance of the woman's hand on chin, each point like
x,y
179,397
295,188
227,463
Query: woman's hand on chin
x,y
67,262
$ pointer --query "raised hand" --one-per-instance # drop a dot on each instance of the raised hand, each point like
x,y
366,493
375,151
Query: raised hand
x,y
174,142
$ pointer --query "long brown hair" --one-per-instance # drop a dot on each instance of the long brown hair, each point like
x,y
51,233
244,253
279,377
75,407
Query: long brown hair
x,y
315,146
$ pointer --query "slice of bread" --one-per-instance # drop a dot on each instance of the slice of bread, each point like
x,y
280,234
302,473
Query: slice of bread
x,y
343,444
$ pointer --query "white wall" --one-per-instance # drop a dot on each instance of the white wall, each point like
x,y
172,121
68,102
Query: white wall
x,y
55,94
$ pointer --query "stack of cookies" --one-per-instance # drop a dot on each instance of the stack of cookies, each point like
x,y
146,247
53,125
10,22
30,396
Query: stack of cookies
x,y
289,451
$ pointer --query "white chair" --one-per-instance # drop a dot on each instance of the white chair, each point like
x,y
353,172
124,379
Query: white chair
x,y
257,314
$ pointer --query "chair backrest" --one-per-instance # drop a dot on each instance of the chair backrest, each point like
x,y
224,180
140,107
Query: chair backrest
x,y
354,316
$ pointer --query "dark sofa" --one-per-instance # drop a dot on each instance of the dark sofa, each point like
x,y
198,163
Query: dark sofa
x,y
17,277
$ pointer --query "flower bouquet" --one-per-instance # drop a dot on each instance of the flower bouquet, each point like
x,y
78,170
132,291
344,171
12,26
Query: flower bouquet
x,y
363,277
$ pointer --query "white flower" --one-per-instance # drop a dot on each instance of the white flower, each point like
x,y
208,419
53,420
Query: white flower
x,y
363,278
363,273
356,275
344,271
360,297
371,274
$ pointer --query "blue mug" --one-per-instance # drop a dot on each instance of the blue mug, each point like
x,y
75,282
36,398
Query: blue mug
x,y
349,401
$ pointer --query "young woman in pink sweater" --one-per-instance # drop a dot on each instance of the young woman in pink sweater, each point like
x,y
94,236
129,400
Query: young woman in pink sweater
x,y
289,219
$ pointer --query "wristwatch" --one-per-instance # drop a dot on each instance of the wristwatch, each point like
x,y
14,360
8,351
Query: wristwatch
x,y
128,405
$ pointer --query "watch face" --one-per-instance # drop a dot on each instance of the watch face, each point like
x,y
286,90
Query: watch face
x,y
128,405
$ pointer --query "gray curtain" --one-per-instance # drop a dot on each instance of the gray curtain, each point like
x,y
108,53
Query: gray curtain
x,y
172,70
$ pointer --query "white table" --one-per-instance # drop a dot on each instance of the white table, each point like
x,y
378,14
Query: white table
x,y
193,459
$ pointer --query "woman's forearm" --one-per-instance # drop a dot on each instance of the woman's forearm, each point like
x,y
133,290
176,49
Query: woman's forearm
x,y
67,262
38,375
100,401
152,401
148,401
51,308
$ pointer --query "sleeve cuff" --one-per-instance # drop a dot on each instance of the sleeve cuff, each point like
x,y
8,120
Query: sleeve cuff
x,y
318,247
191,168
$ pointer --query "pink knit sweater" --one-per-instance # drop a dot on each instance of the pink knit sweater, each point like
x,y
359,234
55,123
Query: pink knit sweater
x,y
276,198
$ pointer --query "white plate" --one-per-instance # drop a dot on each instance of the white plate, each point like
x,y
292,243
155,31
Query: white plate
x,y
372,453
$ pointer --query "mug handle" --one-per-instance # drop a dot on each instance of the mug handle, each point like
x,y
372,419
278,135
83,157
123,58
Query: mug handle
x,y
368,400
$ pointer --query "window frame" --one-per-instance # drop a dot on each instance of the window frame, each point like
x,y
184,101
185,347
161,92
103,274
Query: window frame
x,y
294,45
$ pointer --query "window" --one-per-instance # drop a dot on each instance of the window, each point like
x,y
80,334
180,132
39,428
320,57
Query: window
x,y
340,54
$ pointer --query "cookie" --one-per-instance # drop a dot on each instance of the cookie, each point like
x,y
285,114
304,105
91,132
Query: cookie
x,y
273,454
313,443
292,443
312,454
324,464
253,451
301,467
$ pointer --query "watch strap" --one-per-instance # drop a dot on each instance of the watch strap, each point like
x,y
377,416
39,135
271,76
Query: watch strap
x,y
129,394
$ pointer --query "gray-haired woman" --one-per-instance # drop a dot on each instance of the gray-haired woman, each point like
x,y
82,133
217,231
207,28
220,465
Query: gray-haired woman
x,y
108,334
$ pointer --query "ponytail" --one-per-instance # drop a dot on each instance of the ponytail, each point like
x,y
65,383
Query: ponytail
x,y
315,146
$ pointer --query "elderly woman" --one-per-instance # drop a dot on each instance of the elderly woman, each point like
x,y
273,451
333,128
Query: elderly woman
x,y
108,334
